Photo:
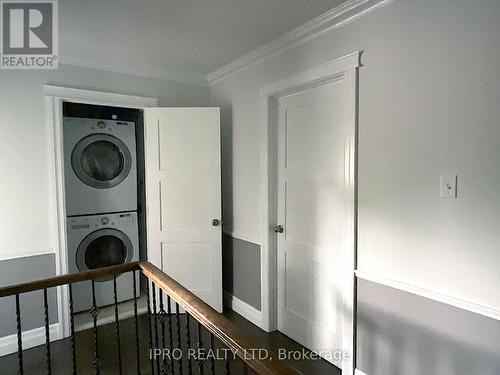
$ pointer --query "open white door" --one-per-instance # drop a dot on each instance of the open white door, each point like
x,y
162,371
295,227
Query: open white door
x,y
183,194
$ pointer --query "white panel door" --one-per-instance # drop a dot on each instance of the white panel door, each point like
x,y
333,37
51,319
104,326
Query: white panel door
x,y
183,194
312,197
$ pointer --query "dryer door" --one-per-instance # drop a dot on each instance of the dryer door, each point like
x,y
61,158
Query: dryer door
x,y
101,161
103,248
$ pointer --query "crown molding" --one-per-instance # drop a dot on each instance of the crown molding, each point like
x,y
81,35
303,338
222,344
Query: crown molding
x,y
339,16
139,70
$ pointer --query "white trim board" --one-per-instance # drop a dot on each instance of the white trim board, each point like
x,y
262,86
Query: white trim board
x,y
31,338
313,76
13,255
359,372
247,311
54,98
473,307
99,97
339,16
146,71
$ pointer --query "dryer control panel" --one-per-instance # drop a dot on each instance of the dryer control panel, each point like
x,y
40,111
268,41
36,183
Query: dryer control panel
x,y
103,221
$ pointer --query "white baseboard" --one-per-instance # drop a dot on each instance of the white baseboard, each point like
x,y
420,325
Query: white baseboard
x,y
110,319
359,372
248,312
31,338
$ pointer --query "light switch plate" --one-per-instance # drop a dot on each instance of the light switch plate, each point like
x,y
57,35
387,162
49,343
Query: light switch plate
x,y
449,186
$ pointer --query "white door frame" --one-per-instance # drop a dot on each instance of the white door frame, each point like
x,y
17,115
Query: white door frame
x,y
347,67
54,98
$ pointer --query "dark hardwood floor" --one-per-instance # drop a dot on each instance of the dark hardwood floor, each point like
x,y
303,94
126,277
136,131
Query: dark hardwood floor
x,y
275,341
35,358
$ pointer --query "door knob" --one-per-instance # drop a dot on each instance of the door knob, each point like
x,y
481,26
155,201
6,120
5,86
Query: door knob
x,y
278,229
215,222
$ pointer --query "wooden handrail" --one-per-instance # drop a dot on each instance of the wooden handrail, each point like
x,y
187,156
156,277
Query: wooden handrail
x,y
221,327
68,279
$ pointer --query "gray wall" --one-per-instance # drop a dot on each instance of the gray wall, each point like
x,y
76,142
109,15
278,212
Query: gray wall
x,y
403,334
428,105
241,270
32,314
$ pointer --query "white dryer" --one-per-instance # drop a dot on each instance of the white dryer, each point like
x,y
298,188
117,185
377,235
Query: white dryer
x,y
100,241
99,165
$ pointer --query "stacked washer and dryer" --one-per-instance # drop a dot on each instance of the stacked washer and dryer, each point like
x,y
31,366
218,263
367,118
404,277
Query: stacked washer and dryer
x,y
101,204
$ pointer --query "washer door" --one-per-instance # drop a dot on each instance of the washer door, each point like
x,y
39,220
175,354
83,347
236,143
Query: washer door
x,y
103,248
101,161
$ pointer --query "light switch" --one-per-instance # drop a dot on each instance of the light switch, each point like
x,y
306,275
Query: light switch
x,y
449,186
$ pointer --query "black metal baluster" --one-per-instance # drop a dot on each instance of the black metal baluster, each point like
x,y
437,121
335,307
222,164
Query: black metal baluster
x,y
47,330
136,325
94,312
179,343
156,322
150,329
212,358
170,333
72,327
228,368
117,326
19,337
163,316
201,362
188,343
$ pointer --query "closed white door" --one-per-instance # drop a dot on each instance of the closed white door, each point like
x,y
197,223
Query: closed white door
x,y
312,197
183,193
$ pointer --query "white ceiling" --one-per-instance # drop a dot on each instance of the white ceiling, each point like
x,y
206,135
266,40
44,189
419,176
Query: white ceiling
x,y
194,37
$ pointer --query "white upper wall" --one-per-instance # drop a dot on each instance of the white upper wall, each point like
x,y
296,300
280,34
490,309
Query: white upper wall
x,y
24,143
428,105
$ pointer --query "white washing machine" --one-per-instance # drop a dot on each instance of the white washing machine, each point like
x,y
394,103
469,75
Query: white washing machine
x,y
99,165
99,241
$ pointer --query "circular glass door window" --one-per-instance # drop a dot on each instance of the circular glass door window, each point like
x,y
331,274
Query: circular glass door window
x,y
101,161
105,251
103,248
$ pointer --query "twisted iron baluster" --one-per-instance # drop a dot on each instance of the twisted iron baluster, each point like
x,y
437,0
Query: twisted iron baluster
x,y
170,332
188,342
47,328
201,362
136,325
117,326
156,322
150,328
94,312
212,357
228,369
178,332
19,337
72,327
165,369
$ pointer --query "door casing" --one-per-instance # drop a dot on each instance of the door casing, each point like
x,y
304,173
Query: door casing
x,y
346,67
54,98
